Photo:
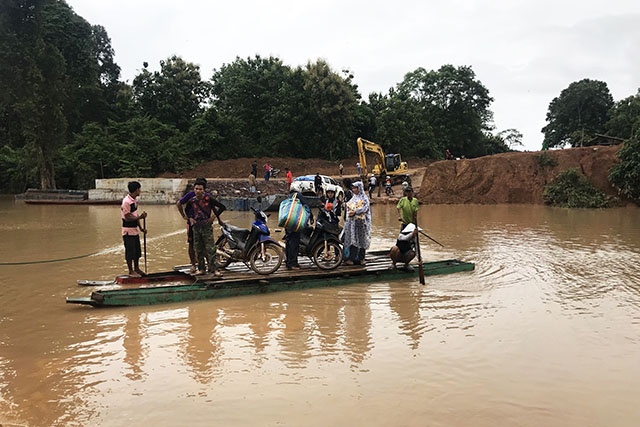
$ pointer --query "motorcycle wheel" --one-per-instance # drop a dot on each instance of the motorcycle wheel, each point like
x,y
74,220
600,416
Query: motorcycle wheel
x,y
331,258
273,256
219,260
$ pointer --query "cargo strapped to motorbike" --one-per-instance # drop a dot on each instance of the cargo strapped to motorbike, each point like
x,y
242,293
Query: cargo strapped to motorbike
x,y
292,214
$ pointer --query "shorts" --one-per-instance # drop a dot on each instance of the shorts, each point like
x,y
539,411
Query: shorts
x,y
131,247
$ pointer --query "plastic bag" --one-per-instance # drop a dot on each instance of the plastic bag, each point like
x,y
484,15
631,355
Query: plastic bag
x,y
292,214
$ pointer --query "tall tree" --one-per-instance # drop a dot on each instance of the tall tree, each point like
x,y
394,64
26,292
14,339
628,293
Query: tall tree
x,y
259,100
625,118
453,109
175,95
332,99
581,111
49,79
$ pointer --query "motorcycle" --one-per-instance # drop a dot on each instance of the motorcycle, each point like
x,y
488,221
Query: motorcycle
x,y
235,244
322,244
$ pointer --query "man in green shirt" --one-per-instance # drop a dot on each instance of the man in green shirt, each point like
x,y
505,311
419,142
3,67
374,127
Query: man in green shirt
x,y
407,208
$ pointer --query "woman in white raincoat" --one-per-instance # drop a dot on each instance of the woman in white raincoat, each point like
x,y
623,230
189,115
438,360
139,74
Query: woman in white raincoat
x,y
357,225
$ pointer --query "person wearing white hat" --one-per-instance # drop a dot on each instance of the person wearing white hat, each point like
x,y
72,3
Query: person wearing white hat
x,y
404,249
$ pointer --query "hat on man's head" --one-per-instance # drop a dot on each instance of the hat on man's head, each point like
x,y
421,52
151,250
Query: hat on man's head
x,y
410,228
409,188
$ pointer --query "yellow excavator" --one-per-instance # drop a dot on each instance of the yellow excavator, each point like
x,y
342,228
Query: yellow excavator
x,y
389,164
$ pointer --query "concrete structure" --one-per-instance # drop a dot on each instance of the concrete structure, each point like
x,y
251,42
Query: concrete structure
x,y
154,190
162,191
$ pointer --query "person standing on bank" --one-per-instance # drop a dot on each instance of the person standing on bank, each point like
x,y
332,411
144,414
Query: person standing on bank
x,y
289,177
357,225
202,208
372,185
130,225
317,184
407,208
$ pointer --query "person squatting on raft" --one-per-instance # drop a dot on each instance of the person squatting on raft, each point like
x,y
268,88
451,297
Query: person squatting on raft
x,y
357,226
200,217
130,225
405,250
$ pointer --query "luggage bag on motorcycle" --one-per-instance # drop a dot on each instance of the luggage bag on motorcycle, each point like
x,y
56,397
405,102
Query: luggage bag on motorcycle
x,y
292,214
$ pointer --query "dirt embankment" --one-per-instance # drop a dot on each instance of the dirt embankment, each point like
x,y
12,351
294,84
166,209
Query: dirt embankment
x,y
514,177
518,177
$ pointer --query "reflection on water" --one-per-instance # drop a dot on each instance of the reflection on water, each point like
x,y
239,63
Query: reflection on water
x,y
546,331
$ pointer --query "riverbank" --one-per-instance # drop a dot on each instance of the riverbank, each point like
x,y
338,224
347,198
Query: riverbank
x,y
510,178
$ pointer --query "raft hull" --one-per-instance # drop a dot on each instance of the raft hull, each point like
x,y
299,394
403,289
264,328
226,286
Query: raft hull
x,y
208,288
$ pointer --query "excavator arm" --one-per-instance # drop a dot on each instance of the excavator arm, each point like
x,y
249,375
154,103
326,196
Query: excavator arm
x,y
365,146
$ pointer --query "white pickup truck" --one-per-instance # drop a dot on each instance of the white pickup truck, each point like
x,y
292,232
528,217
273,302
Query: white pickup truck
x,y
305,185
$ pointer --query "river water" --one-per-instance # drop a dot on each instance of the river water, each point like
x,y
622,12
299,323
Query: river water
x,y
545,331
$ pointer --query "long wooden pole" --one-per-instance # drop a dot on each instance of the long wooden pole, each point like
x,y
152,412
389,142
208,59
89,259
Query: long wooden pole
x,y
144,226
426,235
420,267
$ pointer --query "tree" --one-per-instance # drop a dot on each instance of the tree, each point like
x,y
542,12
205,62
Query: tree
x,y
256,98
49,80
581,111
404,127
511,137
625,176
625,118
332,100
452,109
175,95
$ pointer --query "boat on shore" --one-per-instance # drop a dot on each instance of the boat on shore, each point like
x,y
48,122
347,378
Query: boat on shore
x,y
238,281
60,197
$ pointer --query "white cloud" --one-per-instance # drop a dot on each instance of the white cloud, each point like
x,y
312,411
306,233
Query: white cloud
x,y
524,52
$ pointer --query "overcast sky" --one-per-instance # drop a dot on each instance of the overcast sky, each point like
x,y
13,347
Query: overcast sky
x,y
525,52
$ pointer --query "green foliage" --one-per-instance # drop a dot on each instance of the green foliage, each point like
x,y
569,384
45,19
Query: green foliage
x,y
430,111
139,147
625,176
332,99
546,160
625,118
49,80
175,95
266,108
572,190
581,111
494,144
511,138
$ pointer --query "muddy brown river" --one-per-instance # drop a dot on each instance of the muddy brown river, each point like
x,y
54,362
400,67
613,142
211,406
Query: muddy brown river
x,y
545,331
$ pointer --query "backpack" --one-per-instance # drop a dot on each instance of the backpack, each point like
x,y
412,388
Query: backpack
x,y
292,214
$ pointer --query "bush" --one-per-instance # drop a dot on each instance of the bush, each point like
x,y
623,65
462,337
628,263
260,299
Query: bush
x,y
546,160
572,190
625,176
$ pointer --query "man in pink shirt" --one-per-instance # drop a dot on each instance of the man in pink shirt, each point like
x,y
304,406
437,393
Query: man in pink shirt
x,y
130,224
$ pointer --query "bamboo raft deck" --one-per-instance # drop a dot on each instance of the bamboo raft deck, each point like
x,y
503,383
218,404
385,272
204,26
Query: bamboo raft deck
x,y
240,280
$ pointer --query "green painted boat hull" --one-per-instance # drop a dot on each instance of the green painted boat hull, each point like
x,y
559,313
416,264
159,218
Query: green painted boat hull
x,y
263,284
